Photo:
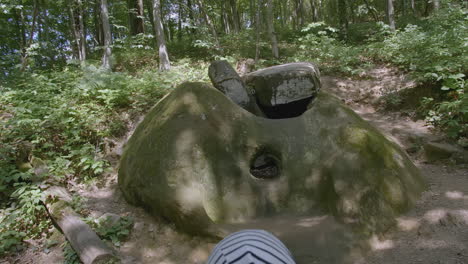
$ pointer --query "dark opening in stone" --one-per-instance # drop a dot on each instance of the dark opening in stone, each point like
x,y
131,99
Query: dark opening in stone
x,y
265,166
292,109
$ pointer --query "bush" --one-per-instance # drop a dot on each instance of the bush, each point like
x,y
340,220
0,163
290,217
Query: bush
x,y
434,52
60,120
320,45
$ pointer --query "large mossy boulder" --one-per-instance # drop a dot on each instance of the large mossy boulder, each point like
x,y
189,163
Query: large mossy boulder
x,y
198,159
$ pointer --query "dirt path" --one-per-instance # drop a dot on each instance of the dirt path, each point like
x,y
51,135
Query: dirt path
x,y
434,231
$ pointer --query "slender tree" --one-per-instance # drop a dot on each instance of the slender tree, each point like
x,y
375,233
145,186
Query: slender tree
x,y
21,29
191,16
179,20
234,16
135,16
225,23
257,29
24,59
271,28
98,34
208,22
436,4
77,28
314,10
106,56
391,15
149,11
164,63
343,16
371,10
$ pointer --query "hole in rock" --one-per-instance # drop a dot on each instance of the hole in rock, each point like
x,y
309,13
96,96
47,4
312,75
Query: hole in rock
x,y
291,109
265,166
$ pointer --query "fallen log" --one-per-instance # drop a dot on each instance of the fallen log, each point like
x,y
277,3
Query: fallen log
x,y
86,243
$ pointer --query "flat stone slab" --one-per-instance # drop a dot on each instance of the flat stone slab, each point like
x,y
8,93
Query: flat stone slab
x,y
434,151
285,83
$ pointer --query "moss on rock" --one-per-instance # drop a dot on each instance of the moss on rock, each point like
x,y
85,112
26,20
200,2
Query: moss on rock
x,y
189,162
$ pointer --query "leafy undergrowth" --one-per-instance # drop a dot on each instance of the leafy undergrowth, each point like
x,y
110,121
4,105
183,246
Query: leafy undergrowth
x,y
432,50
109,229
434,53
53,128
54,124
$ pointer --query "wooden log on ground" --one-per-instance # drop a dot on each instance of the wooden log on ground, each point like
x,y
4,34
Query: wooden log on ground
x,y
86,243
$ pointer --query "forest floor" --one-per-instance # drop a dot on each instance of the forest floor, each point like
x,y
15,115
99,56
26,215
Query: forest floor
x,y
434,231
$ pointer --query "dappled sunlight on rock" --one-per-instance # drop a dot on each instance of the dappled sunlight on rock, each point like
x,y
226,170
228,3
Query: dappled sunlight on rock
x,y
462,215
200,254
455,195
378,244
189,196
408,224
311,221
327,159
432,244
435,215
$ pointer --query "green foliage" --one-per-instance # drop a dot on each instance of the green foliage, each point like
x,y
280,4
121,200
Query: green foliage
x,y
320,45
78,204
368,32
115,233
26,217
69,254
434,52
111,229
392,100
10,239
65,117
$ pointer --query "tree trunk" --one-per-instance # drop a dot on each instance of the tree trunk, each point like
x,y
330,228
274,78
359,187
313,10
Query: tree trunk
x,y
98,34
271,29
190,14
351,12
45,36
86,243
427,7
179,20
252,12
135,16
235,16
412,7
300,13
403,7
224,18
343,17
314,10
24,61
106,57
74,31
77,28
81,31
164,63
295,15
282,19
208,22
391,15
257,30
149,11
372,11
21,31
436,4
